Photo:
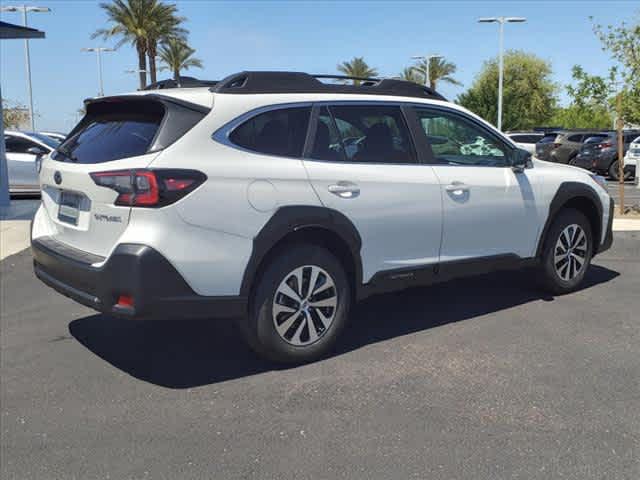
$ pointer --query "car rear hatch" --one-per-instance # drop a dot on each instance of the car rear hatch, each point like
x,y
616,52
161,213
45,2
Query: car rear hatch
x,y
545,145
117,134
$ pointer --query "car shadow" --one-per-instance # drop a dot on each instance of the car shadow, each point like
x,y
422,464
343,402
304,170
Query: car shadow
x,y
190,353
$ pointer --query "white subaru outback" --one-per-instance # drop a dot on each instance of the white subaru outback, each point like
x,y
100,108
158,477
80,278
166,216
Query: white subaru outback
x,y
279,199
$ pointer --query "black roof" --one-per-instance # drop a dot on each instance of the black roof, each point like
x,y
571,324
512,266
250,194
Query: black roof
x,y
299,82
184,82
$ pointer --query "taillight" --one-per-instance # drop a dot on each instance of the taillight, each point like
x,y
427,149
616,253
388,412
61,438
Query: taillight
x,y
604,145
556,145
149,188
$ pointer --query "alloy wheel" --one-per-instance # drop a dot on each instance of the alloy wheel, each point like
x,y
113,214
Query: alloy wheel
x,y
570,253
304,305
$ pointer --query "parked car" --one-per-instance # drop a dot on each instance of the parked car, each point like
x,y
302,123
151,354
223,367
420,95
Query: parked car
x,y
632,157
584,158
55,135
158,205
526,140
24,151
562,146
602,156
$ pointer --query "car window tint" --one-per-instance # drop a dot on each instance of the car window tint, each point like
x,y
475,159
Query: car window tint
x,y
373,133
327,144
18,144
575,138
276,132
455,140
549,138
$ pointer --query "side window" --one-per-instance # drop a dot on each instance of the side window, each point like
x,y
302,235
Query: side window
x,y
276,132
327,144
575,138
455,140
18,144
373,133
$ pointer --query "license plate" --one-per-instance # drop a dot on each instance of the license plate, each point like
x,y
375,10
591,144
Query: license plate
x,y
69,209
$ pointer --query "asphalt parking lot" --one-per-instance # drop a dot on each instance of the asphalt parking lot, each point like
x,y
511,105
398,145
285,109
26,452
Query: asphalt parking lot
x,y
631,193
483,378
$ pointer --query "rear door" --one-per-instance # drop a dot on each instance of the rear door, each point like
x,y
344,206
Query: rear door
x,y
363,164
116,134
21,164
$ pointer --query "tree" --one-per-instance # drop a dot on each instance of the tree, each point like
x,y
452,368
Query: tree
x,y
177,55
529,95
14,115
590,98
411,75
439,70
357,67
142,23
165,25
623,43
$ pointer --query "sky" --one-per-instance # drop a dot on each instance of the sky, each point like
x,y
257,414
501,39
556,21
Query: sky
x,y
306,36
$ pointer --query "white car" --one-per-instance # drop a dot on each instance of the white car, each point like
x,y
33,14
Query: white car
x,y
241,201
24,152
632,157
55,135
526,140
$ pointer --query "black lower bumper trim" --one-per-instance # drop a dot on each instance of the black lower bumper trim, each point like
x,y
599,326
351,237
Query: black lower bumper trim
x,y
133,270
608,238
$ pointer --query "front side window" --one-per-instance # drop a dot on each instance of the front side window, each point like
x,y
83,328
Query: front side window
x,y
373,133
276,132
455,140
18,144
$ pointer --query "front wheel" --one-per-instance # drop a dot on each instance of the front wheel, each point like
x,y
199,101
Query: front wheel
x,y
567,252
299,307
614,172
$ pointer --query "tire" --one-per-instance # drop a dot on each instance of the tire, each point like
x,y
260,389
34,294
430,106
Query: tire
x,y
566,274
573,161
308,322
614,172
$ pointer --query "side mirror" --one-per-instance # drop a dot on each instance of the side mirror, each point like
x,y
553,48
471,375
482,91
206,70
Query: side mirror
x,y
521,161
37,151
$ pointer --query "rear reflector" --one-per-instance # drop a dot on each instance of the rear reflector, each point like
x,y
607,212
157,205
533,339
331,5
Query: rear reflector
x,y
149,188
125,301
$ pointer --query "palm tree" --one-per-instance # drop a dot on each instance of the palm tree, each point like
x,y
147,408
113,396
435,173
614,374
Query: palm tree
x,y
177,55
357,68
439,69
412,74
163,26
142,23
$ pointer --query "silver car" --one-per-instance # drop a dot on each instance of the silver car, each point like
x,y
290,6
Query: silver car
x,y
24,153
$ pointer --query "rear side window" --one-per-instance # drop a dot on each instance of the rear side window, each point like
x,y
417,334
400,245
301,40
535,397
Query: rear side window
x,y
276,132
373,133
575,138
112,132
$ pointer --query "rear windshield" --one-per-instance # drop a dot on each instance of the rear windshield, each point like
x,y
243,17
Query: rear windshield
x,y
112,131
549,138
595,139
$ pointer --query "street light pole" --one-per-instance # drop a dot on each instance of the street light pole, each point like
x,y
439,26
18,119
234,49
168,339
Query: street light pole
x,y
501,21
24,9
99,51
427,62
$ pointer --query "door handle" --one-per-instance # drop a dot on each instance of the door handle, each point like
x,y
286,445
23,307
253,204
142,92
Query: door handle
x,y
457,188
344,189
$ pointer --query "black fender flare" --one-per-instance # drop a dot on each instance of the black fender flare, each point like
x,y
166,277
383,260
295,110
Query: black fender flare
x,y
567,192
289,219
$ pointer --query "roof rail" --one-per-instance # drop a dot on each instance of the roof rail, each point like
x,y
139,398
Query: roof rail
x,y
183,82
299,82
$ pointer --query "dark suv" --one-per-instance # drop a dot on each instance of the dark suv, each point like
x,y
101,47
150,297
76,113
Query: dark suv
x,y
562,146
600,153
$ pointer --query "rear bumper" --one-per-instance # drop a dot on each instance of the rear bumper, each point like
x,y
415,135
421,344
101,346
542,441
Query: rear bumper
x,y
608,238
134,270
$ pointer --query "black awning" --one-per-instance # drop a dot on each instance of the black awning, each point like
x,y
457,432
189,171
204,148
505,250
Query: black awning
x,y
10,31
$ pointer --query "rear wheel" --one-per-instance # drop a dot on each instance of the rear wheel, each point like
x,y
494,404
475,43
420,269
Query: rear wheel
x,y
567,252
614,172
299,307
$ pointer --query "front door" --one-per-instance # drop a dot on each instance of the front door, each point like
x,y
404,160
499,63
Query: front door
x,y
363,164
489,210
